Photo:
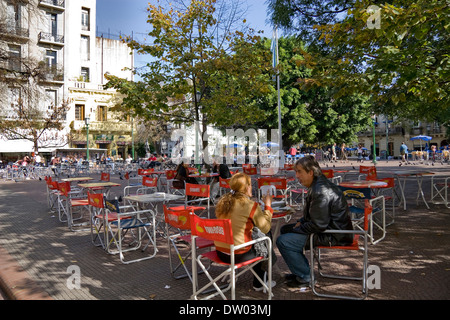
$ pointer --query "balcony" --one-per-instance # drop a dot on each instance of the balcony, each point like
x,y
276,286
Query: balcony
x,y
45,37
53,4
111,126
53,74
14,32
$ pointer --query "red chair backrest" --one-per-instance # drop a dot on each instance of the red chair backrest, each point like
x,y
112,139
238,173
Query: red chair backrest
x,y
145,172
105,176
268,171
329,173
64,187
170,174
224,183
212,229
178,218
192,170
95,200
250,171
370,171
279,183
197,190
149,182
54,185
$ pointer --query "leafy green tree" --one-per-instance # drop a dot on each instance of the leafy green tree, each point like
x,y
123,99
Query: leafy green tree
x,y
397,51
193,76
314,115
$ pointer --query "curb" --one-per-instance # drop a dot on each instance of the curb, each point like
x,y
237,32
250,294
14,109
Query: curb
x,y
15,282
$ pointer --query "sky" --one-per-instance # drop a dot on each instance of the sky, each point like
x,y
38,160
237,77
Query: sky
x,y
125,17
131,15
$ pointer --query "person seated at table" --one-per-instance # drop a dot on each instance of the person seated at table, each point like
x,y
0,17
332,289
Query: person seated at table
x,y
182,176
325,208
222,169
244,213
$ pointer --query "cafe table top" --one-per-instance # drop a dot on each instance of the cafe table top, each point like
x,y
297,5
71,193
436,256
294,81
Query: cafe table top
x,y
104,184
154,197
406,173
203,175
77,179
363,184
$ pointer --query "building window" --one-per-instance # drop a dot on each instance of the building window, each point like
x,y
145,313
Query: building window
x,y
79,112
14,58
52,25
50,59
85,74
102,114
15,101
85,19
51,99
13,15
84,48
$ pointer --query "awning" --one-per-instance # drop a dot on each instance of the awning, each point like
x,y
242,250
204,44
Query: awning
x,y
16,146
20,145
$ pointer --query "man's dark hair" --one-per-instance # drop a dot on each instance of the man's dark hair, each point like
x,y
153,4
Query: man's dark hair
x,y
309,163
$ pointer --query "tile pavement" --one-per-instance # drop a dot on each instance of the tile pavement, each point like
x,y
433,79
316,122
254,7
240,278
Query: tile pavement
x,y
36,251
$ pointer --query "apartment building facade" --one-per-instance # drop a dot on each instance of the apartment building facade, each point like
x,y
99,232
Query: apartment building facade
x,y
59,36
390,134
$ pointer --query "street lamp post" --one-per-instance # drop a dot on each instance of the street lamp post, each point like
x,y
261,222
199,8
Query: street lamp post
x,y
374,146
86,121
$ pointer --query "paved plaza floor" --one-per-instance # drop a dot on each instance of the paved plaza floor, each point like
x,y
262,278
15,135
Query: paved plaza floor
x,y
38,253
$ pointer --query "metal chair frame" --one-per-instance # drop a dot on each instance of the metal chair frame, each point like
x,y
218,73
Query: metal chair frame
x,y
315,252
180,221
220,230
439,190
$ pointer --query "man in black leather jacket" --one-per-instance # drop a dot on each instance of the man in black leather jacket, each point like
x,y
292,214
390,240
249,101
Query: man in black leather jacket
x,y
325,208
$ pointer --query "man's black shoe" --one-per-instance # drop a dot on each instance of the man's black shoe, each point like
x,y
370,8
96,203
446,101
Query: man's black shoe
x,y
298,282
289,277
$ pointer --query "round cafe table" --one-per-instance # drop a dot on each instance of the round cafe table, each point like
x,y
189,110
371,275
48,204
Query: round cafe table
x,y
401,177
373,184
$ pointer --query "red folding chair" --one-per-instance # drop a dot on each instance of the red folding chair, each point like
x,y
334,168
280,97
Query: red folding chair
x,y
167,179
277,187
316,251
251,171
68,202
148,184
329,173
52,193
195,194
220,230
369,172
389,194
224,184
181,240
145,172
105,176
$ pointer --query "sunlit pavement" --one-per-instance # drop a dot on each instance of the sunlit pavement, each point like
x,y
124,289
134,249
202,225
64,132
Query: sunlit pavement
x,y
414,258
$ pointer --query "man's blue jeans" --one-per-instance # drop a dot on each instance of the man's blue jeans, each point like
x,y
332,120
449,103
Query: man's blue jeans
x,y
291,248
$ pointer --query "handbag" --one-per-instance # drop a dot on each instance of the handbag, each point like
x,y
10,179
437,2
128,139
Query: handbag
x,y
261,248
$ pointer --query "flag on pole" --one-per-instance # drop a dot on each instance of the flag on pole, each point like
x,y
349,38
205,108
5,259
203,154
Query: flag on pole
x,y
274,48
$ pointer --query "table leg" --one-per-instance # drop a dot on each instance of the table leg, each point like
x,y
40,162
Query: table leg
x,y
402,190
420,190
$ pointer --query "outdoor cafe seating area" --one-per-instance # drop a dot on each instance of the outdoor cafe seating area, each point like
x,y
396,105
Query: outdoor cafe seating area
x,y
128,219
